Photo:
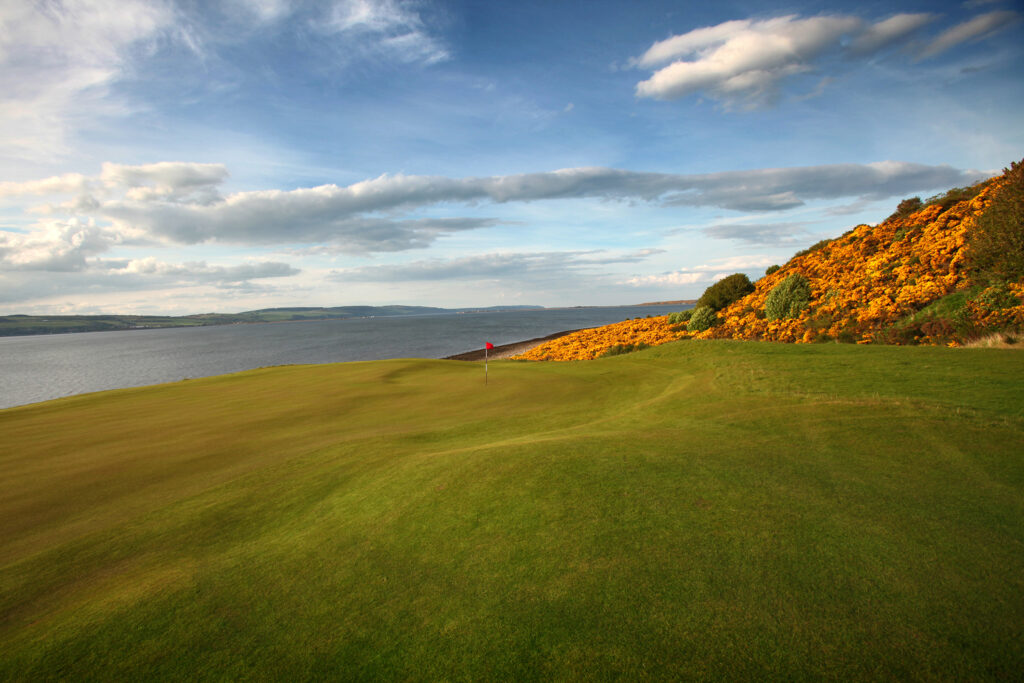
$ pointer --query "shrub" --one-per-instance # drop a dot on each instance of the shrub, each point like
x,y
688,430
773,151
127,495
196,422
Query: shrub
x,y
680,317
772,269
726,291
620,349
703,318
996,297
996,246
814,247
907,207
956,195
788,298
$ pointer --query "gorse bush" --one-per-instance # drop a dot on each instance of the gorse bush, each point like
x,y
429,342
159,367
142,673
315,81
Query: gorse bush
x,y
703,318
788,298
772,269
996,247
726,291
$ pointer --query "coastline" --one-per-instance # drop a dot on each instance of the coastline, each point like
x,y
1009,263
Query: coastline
x,y
508,350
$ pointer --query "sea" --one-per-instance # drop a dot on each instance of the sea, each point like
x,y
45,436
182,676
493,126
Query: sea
x,y
44,367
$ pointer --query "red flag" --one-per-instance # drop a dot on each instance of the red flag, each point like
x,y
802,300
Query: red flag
x,y
489,346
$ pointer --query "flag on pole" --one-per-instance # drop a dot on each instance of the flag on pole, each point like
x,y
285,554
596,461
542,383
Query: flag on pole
x,y
487,347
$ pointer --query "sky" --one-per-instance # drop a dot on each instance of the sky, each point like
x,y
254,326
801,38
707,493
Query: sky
x,y
188,156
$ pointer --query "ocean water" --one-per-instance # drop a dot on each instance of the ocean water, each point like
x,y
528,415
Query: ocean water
x,y
44,367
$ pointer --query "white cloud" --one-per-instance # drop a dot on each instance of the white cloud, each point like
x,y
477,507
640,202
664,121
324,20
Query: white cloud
x,y
744,63
674,279
183,204
760,234
388,27
741,62
57,62
266,11
884,33
523,267
58,246
976,28
201,272
713,271
62,184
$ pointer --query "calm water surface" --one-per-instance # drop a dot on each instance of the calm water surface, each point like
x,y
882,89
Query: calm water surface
x,y
39,368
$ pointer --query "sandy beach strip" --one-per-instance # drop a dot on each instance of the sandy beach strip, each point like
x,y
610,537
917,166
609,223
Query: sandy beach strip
x,y
508,350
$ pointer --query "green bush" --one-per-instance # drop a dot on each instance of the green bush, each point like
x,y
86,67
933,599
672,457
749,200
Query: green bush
x,y
996,247
680,317
620,349
788,298
996,297
772,269
726,291
703,318
814,247
907,207
956,195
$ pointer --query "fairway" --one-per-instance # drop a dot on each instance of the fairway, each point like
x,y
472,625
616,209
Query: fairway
x,y
703,509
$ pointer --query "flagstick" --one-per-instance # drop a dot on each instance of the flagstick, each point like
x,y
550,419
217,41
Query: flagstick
x,y
485,366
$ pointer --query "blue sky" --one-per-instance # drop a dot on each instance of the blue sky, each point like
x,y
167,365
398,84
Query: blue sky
x,y
185,157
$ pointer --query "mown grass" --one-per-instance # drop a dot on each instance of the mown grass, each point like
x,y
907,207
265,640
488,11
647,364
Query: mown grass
x,y
700,509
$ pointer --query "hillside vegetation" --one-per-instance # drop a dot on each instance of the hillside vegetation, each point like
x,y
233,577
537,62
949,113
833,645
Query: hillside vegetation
x,y
947,270
719,510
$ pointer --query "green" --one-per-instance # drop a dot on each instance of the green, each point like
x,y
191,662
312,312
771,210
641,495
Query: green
x,y
726,510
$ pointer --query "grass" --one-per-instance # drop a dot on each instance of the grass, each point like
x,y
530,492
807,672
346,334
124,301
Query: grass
x,y
697,510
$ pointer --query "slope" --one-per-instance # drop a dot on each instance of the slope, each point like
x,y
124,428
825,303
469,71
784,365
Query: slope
x,y
721,510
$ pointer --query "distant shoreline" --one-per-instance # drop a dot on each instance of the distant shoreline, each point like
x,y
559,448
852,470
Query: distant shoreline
x,y
19,325
508,350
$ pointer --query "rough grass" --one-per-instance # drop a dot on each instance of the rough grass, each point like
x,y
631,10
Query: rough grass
x,y
716,509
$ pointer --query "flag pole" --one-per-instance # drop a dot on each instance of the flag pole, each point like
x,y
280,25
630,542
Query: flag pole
x,y
487,348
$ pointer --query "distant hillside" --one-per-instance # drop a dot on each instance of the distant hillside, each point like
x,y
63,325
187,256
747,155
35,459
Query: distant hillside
x,y
13,325
946,270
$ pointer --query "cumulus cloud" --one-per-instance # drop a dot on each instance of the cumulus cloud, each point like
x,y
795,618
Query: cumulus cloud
x,y
183,205
59,246
80,247
974,29
743,63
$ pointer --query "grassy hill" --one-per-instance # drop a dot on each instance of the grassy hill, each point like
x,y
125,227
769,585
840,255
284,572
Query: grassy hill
x,y
718,510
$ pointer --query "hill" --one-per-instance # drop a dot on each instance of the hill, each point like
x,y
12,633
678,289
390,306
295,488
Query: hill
x,y
721,510
925,275
13,325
